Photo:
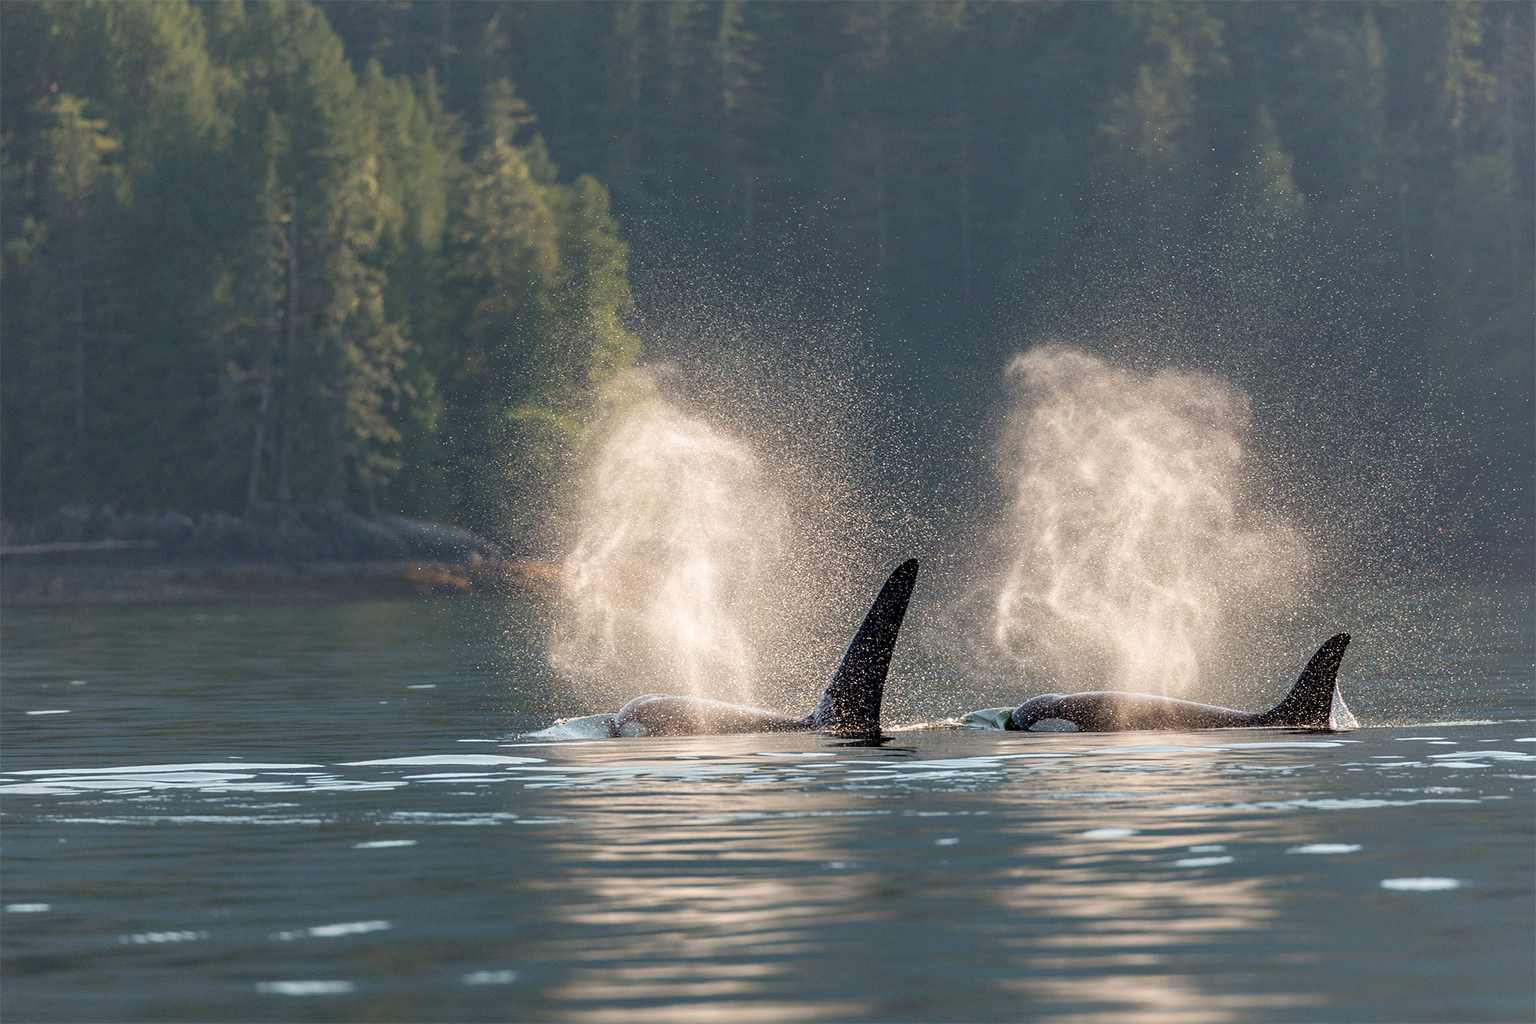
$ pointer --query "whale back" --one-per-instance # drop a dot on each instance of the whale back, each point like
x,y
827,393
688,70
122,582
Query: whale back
x,y
1310,704
851,704
1114,711
657,714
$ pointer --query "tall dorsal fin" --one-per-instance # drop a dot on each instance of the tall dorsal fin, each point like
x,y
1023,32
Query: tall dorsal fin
x,y
1311,700
851,704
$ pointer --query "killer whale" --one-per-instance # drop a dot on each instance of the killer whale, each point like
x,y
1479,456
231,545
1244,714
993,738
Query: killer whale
x,y
850,705
1313,703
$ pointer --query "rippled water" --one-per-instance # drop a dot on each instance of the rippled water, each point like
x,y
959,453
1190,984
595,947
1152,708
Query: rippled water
x,y
309,812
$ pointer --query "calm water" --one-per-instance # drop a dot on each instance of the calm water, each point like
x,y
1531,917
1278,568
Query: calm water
x,y
310,812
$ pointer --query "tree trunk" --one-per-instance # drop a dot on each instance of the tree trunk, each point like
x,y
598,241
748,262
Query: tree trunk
x,y
964,130
881,227
268,357
748,203
79,320
284,488
445,46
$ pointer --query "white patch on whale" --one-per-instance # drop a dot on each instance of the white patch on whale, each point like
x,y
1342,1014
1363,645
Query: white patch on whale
x,y
1054,725
1340,718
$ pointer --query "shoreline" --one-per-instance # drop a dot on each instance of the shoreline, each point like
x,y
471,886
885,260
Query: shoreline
x,y
83,583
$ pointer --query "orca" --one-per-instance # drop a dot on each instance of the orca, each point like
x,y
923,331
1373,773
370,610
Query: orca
x,y
1313,703
850,706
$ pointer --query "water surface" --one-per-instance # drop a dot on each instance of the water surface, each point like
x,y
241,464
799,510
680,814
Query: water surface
x,y
312,812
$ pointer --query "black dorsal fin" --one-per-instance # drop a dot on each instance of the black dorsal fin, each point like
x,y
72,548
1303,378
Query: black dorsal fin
x,y
1310,701
851,704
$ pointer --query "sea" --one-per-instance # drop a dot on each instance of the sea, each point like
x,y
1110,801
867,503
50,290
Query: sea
x,y
336,812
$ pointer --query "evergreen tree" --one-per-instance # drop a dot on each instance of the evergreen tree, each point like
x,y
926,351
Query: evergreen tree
x,y
541,272
284,251
65,291
233,268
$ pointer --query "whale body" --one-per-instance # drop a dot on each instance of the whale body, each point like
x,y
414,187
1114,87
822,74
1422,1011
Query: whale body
x,y
1313,703
850,706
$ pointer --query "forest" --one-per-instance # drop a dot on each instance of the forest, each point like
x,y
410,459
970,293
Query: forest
x,y
389,253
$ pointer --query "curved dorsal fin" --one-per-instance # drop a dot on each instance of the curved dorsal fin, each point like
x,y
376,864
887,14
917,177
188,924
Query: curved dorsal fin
x,y
1311,700
851,704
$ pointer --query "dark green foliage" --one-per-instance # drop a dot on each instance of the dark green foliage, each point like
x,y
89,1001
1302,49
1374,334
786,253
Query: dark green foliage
x,y
307,252
1293,182
237,271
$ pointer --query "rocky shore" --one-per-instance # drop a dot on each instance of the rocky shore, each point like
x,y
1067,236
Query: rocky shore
x,y
83,555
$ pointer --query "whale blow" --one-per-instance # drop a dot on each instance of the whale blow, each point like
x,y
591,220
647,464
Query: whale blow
x,y
850,705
